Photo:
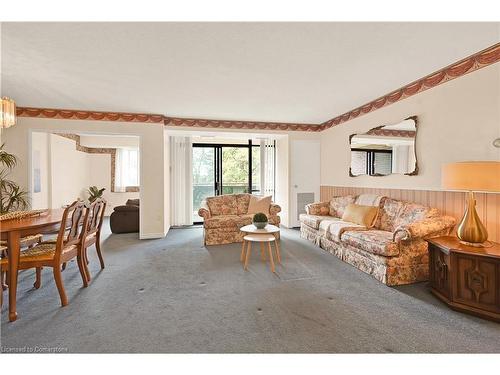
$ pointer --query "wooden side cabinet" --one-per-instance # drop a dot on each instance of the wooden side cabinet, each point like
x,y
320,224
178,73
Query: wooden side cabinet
x,y
466,278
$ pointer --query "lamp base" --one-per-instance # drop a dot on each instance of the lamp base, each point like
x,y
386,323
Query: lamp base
x,y
477,244
470,230
474,244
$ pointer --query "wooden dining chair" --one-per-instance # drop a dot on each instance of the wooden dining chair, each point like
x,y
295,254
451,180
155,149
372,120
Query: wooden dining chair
x,y
66,247
92,232
25,243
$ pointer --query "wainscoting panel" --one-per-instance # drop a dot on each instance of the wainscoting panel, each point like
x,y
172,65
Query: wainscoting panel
x,y
448,202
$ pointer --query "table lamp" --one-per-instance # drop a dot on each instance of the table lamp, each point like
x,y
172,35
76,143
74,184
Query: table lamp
x,y
471,176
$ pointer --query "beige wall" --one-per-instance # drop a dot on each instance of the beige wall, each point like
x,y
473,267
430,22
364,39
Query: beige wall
x,y
69,171
109,141
40,144
457,121
100,176
284,169
152,193
66,173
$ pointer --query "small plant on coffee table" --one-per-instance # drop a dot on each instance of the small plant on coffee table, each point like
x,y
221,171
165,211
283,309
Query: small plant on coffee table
x,y
260,220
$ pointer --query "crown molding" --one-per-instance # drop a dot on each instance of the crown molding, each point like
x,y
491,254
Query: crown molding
x,y
470,64
227,124
71,114
465,66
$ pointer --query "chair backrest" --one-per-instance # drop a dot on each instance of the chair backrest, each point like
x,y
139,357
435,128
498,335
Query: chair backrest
x,y
94,217
71,229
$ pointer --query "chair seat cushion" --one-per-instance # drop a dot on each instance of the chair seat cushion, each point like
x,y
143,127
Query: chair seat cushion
x,y
314,221
372,241
26,241
40,252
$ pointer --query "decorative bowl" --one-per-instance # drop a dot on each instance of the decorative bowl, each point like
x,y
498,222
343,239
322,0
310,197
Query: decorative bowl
x,y
260,225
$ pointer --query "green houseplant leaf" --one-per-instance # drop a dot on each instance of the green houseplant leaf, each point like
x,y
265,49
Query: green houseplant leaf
x,y
260,220
94,193
12,197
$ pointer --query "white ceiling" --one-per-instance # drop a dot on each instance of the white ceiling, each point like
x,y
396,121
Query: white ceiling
x,y
288,72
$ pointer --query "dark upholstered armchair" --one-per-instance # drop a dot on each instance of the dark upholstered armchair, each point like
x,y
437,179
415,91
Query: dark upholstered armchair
x,y
125,219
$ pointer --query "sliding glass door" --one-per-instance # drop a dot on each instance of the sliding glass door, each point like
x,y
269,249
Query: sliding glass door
x,y
224,169
235,166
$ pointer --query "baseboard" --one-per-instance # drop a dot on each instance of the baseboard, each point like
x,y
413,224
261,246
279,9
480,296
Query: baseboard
x,y
151,236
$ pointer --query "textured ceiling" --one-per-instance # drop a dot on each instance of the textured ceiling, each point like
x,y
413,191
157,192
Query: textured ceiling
x,y
284,72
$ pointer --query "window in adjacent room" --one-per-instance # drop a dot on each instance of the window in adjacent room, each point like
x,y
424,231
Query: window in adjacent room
x,y
127,173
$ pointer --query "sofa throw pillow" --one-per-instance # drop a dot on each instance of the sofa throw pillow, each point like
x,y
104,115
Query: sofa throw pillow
x,y
259,204
338,205
362,215
324,211
222,205
389,212
242,201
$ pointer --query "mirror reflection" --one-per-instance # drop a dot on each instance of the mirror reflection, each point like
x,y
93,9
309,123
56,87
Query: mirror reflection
x,y
385,150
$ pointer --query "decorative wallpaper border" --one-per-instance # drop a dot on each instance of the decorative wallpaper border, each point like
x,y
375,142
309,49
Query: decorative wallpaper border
x,y
470,64
223,124
88,150
392,133
70,114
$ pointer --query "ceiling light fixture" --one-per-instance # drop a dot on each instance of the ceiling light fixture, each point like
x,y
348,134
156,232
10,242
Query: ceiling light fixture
x,y
7,112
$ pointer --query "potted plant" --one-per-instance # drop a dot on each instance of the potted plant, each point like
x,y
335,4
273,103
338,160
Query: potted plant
x,y
12,197
94,193
260,220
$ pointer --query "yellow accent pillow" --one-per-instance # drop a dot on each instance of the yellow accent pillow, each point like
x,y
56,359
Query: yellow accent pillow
x,y
362,215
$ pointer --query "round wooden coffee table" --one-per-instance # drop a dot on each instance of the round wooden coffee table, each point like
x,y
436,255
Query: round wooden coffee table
x,y
267,235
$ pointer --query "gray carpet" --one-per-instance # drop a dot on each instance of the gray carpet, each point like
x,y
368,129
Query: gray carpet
x,y
174,295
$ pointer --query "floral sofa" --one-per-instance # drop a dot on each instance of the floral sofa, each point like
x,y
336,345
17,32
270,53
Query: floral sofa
x,y
224,215
393,251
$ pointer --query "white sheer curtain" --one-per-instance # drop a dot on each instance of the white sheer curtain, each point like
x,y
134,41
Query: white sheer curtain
x,y
126,168
181,181
267,162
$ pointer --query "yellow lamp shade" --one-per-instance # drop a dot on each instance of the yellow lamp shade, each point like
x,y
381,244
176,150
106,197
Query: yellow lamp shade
x,y
471,176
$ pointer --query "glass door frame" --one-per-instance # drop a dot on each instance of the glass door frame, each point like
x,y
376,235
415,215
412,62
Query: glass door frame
x,y
218,162
218,186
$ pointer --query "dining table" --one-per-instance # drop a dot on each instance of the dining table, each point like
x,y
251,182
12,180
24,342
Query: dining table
x,y
12,230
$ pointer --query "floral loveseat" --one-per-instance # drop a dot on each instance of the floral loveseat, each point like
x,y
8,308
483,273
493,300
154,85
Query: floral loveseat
x,y
393,250
224,215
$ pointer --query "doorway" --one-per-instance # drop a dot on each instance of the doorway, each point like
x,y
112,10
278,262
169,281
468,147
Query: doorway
x,y
224,169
